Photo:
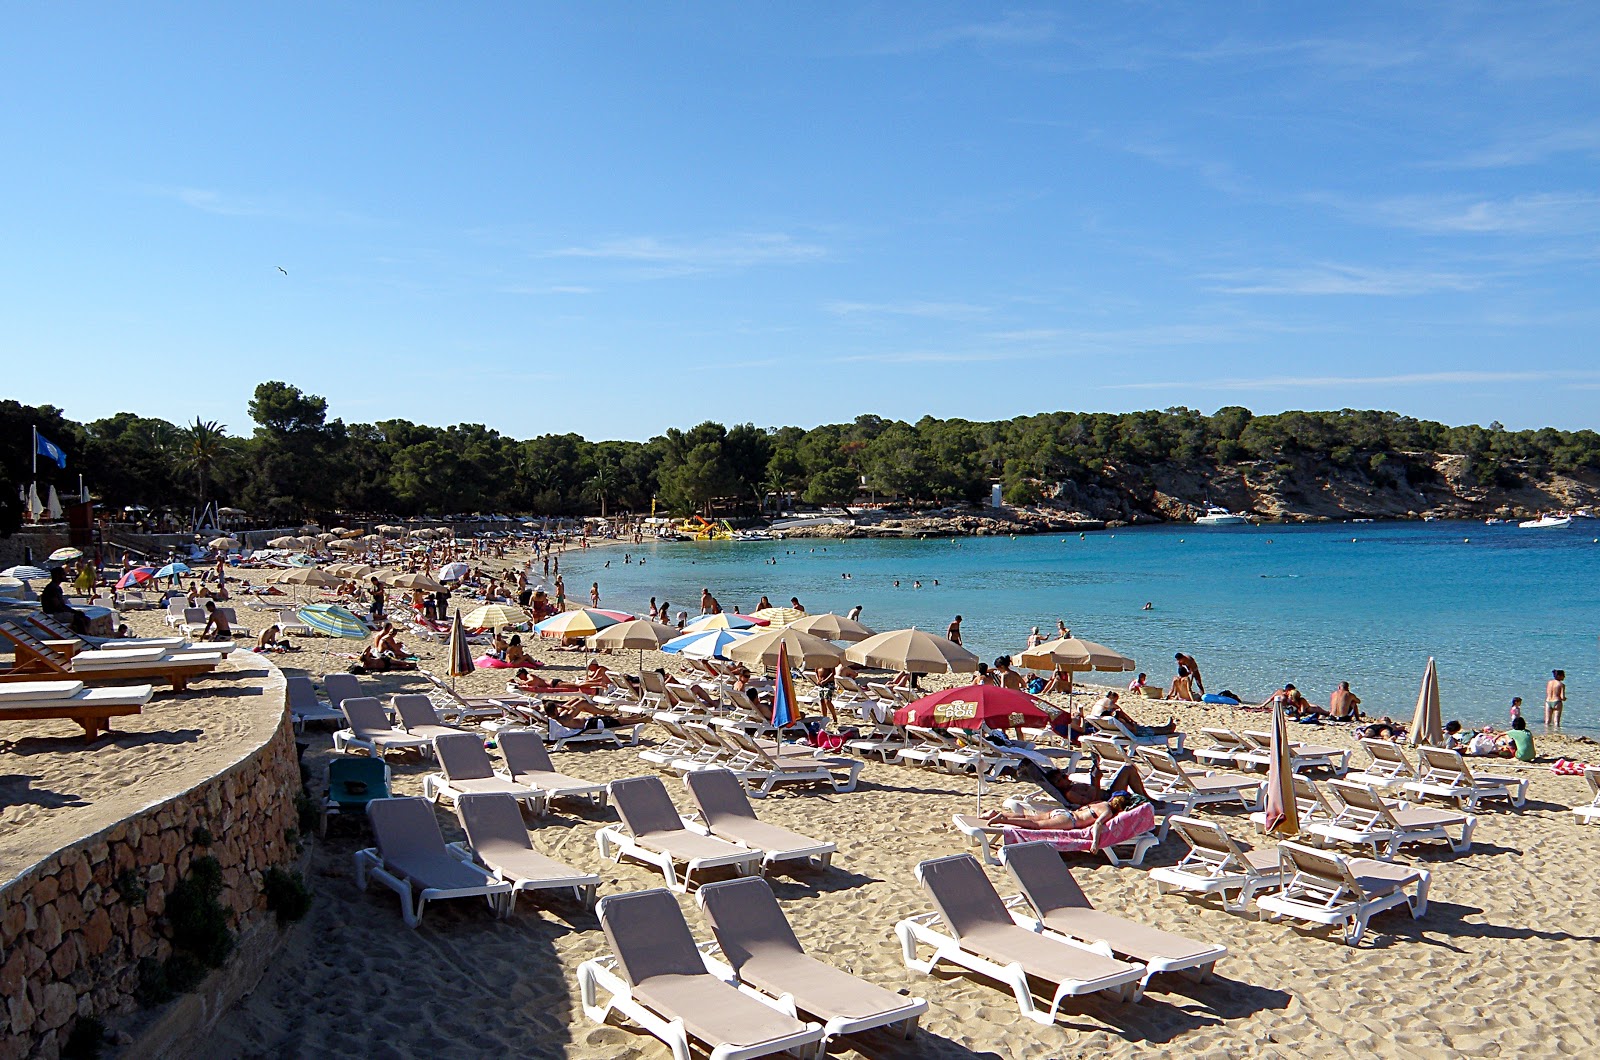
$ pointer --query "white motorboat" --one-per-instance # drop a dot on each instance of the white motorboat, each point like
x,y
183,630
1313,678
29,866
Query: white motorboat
x,y
1220,517
1547,522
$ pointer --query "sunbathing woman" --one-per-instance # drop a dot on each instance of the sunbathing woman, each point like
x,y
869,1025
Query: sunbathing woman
x,y
528,682
514,655
1093,814
1080,794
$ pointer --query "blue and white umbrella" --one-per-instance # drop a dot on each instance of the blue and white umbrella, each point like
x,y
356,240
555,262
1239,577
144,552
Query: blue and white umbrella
x,y
707,644
172,570
25,573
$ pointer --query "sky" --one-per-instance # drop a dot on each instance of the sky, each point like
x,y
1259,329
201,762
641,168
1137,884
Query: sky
x,y
615,218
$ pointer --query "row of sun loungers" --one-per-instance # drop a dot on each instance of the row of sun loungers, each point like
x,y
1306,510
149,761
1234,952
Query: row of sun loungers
x,y
35,660
705,743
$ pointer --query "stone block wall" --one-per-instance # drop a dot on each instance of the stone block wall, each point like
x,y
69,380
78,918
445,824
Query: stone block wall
x,y
71,941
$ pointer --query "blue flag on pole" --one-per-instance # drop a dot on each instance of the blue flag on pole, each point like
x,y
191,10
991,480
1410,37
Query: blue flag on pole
x,y
47,448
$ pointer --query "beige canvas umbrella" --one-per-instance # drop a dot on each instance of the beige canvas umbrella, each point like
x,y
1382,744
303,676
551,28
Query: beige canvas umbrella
x,y
357,570
338,530
1075,655
309,542
459,651
913,651
222,542
390,529
284,542
833,627
311,528
344,546
803,649
303,576
1426,725
639,634
493,616
387,575
778,616
416,581
1283,813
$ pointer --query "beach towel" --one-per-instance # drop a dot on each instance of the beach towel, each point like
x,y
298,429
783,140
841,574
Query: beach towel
x,y
1120,829
489,662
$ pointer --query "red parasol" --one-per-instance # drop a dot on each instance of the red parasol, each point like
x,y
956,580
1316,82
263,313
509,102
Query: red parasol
x,y
972,707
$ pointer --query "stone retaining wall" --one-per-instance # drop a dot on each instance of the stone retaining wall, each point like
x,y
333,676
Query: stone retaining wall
x,y
71,941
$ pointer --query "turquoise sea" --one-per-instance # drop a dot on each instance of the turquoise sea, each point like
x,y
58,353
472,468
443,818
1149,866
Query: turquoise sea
x,y
1497,606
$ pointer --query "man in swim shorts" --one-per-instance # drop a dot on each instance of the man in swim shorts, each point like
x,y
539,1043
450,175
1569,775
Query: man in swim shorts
x,y
1555,698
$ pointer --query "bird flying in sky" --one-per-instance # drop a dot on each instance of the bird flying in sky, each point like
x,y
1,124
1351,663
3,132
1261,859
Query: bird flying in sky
x,y
283,270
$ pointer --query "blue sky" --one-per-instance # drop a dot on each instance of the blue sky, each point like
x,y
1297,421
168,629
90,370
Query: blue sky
x,y
611,219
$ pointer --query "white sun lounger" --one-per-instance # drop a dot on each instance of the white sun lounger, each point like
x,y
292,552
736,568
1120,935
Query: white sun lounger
x,y
983,937
498,838
528,764
304,706
660,980
653,832
92,708
411,859
369,729
1366,820
1301,755
1170,782
416,715
1216,864
1589,812
1323,887
1309,803
767,961
467,770
1059,905
1389,767
1446,775
725,812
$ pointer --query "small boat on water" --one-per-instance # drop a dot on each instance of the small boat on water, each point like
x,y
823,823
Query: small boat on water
x,y
1547,522
1220,517
1492,521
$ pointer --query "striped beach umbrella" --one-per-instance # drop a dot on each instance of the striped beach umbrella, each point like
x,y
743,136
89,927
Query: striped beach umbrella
x,y
724,621
25,573
172,570
707,644
137,576
62,555
783,702
583,622
333,620
779,616
493,616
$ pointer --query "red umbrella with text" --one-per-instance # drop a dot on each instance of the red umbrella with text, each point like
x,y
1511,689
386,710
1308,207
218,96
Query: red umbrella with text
x,y
974,707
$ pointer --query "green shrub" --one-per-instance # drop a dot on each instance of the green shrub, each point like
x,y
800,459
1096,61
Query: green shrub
x,y
131,887
201,836
287,894
154,988
309,811
199,922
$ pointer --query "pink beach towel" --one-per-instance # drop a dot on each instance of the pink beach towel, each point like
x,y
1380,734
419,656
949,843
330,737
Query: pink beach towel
x,y
489,662
1121,828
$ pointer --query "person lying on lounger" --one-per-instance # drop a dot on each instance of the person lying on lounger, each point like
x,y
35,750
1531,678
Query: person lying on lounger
x,y
1107,707
527,682
1075,793
1094,815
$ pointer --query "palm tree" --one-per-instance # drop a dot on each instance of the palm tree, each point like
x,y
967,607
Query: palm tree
x,y
199,449
602,484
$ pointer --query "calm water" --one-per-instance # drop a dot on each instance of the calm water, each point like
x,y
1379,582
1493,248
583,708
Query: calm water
x,y
1367,603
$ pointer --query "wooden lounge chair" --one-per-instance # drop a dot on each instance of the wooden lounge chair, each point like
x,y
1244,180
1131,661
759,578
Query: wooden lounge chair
x,y
763,955
411,859
653,832
1589,812
465,769
1170,782
725,812
1060,905
499,840
92,708
369,730
660,980
1366,820
33,661
1446,775
1216,864
304,706
984,938
528,765
1323,887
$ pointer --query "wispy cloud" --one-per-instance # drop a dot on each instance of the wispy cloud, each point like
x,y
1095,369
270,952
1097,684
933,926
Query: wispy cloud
x,y
1333,279
676,257
1527,148
272,207
207,200
1010,29
1456,214
1328,382
927,357
943,310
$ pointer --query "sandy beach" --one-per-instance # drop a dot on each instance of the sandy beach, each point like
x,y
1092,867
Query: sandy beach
x,y
1488,971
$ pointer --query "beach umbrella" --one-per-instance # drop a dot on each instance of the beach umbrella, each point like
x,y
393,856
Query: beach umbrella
x,y
1426,726
767,647
25,572
778,616
417,581
493,616
639,634
222,542
352,534
459,651
783,701
344,546
53,505
311,528
620,616
303,576
706,644
582,622
833,627
137,576
453,572
172,570
913,651
726,620
357,570
333,620
337,530
284,542
1283,813
974,707
62,555
1074,654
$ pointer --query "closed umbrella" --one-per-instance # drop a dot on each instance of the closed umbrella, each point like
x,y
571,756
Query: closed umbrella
x,y
1426,726
707,644
833,627
334,621
62,555
1074,654
1283,814
493,616
763,649
778,616
460,653
913,651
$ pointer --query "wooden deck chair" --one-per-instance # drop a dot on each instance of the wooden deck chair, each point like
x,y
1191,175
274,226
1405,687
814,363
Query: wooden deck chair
x,y
1323,887
660,980
91,708
764,956
34,660
981,935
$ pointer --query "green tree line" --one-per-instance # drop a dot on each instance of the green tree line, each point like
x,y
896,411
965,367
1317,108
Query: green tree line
x,y
294,462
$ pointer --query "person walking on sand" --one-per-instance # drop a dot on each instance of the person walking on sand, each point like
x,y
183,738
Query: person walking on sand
x,y
1555,698
1186,662
953,633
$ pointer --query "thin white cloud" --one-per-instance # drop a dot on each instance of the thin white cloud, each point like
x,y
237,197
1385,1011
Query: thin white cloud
x,y
1012,29
943,310
1334,279
1316,382
1560,213
1528,148
740,251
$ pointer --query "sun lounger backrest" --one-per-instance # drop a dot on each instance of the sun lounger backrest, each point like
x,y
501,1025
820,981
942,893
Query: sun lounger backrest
x,y
340,686
25,641
415,709
1450,763
492,820
719,795
1207,835
965,898
302,693
55,629
524,752
644,805
194,616
1106,748
365,714
1165,766
1044,877
653,683
1390,755
1325,867
462,756
373,772
649,936
746,919
405,826
1360,797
